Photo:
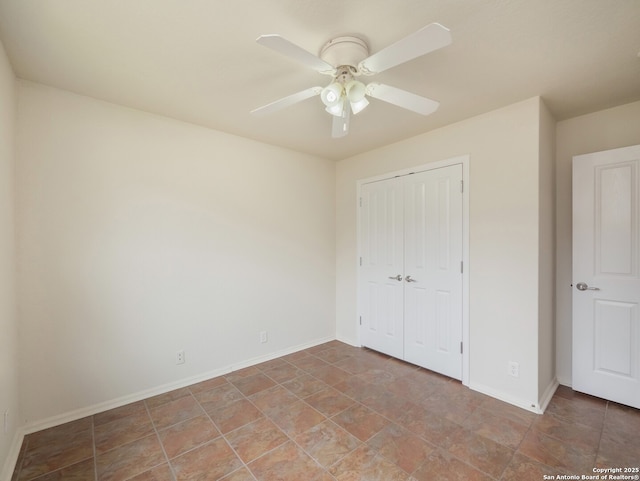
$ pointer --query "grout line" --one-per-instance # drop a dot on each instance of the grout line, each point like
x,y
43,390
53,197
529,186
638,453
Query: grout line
x,y
59,468
517,450
166,457
222,435
291,438
365,443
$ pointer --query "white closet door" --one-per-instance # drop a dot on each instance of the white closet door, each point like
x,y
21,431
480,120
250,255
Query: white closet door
x,y
433,277
381,271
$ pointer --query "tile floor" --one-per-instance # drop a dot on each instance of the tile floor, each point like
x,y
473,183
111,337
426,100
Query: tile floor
x,y
334,412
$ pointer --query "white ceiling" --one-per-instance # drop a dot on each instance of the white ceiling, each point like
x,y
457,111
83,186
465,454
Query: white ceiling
x,y
197,60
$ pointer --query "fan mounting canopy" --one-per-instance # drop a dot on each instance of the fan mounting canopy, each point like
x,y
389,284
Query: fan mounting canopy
x,y
344,51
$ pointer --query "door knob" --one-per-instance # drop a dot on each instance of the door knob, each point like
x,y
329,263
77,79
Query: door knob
x,y
582,286
396,278
409,279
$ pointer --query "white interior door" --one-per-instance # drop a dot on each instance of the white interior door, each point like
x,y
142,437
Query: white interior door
x,y
606,275
381,268
432,266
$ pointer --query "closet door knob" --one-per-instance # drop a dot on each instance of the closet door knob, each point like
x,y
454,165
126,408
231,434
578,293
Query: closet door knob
x,y
396,278
409,279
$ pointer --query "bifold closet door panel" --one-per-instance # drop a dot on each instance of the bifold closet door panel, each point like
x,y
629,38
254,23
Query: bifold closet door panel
x,y
432,266
381,281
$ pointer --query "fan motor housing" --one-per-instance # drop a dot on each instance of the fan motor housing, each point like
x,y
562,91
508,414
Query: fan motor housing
x,y
342,51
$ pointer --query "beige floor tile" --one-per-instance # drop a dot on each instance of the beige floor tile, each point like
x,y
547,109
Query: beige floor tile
x,y
209,462
334,412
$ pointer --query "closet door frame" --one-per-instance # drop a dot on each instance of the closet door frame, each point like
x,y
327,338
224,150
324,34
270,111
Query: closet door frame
x,y
460,160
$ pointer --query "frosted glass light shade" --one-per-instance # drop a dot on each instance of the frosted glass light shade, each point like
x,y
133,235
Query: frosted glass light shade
x,y
331,94
355,91
359,106
356,94
337,108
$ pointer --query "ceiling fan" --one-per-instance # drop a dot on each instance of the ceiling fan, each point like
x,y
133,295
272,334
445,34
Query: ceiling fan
x,y
347,58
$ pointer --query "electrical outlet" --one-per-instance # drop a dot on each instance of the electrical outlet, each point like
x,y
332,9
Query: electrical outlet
x,y
180,357
263,337
514,369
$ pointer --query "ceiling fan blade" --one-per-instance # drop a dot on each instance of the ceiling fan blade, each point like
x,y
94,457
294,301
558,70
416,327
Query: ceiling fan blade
x,y
293,51
402,98
427,39
340,126
287,101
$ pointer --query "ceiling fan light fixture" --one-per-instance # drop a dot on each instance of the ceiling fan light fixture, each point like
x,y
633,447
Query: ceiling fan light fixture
x,y
332,94
359,106
346,58
337,108
355,90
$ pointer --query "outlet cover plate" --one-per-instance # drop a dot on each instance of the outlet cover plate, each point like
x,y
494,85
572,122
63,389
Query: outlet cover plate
x,y
180,357
514,369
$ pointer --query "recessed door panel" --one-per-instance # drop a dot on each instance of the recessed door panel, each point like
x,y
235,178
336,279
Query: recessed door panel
x,y
616,242
417,222
417,324
615,325
444,224
444,323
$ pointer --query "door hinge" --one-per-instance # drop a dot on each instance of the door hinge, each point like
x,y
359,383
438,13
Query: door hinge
x,y
461,267
360,320
360,201
461,186
460,347
360,260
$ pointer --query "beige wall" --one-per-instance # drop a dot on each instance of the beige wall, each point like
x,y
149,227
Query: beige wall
x,y
140,236
8,313
604,130
547,236
504,233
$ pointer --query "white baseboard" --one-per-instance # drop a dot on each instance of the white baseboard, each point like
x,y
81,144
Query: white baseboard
x,y
349,342
532,406
548,394
140,395
564,381
14,452
12,458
